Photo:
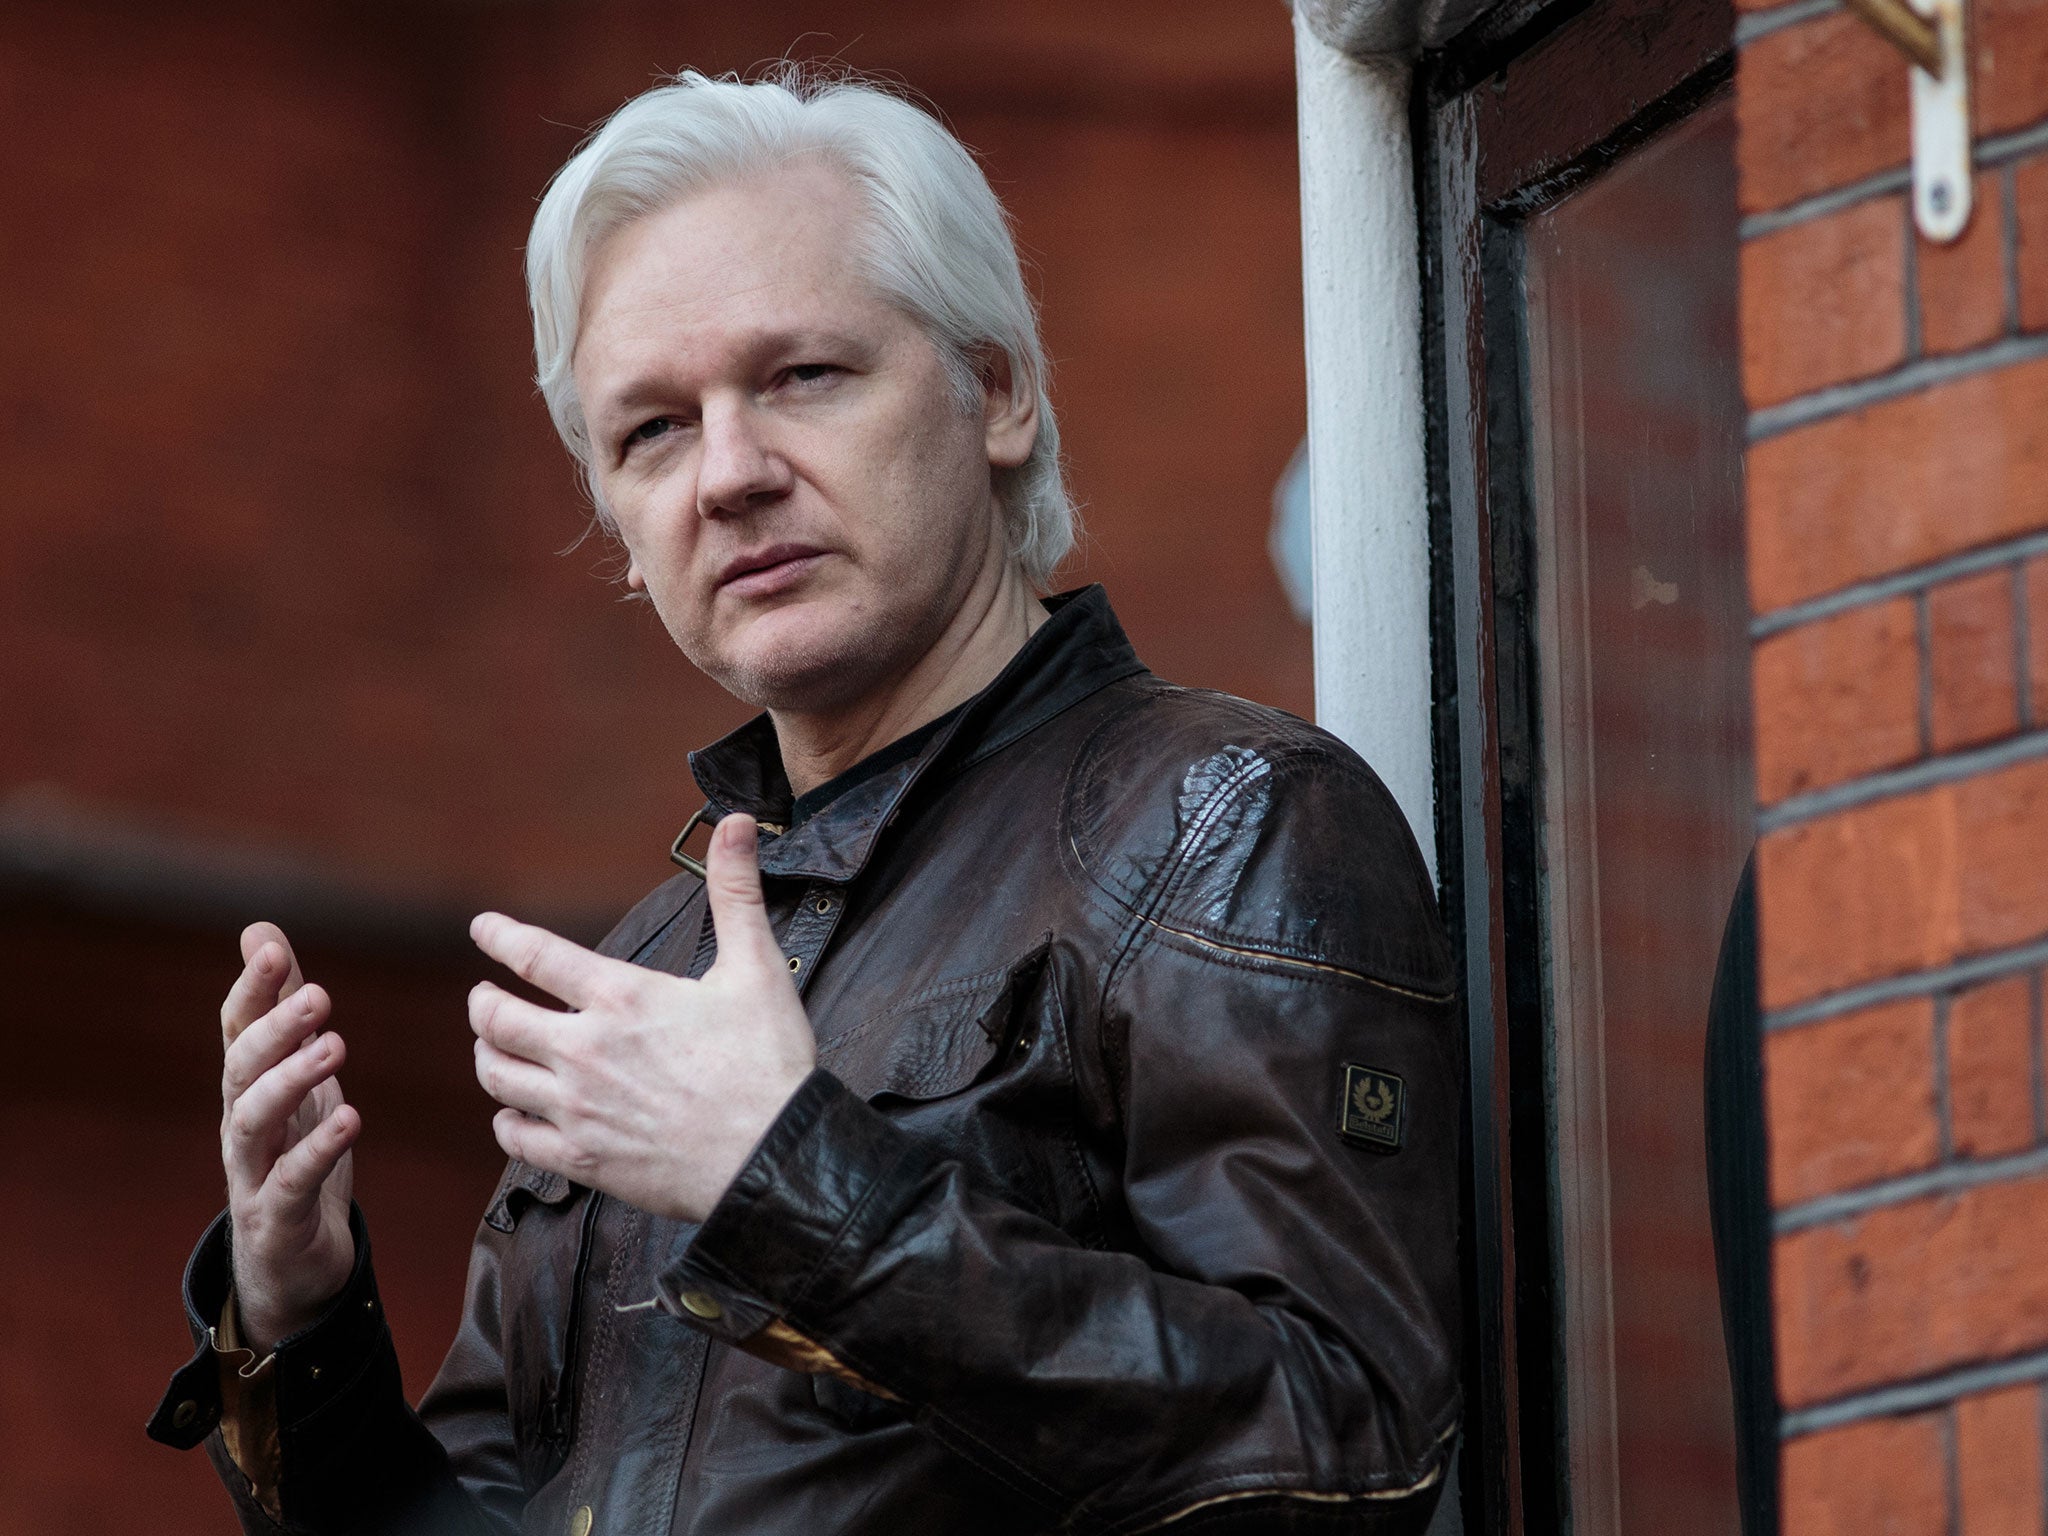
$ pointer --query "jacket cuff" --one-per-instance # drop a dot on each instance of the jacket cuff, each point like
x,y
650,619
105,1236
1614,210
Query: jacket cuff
x,y
825,1184
313,1368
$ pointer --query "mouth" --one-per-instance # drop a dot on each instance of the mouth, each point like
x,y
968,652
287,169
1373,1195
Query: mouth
x,y
762,572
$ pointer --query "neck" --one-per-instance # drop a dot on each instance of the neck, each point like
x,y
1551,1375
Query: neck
x,y
989,628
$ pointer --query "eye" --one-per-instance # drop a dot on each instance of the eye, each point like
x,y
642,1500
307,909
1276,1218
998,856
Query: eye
x,y
810,373
648,431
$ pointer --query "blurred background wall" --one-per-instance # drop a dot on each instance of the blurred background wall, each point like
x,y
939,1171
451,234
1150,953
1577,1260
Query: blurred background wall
x,y
287,625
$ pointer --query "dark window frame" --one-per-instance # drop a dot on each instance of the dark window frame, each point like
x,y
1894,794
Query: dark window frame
x,y
1530,103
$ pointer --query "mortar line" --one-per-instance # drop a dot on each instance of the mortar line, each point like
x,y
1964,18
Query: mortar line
x,y
1756,24
1755,226
1909,269
2022,647
1912,1396
1923,373
1893,782
1950,1472
2017,145
1993,966
1949,1179
1878,588
1988,153
1923,646
2009,242
2035,1052
1944,1099
2041,1435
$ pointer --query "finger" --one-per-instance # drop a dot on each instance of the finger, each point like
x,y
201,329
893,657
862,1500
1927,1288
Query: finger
x,y
256,1122
514,1025
263,945
268,972
272,1038
533,1142
258,934
516,1084
739,914
550,962
300,1173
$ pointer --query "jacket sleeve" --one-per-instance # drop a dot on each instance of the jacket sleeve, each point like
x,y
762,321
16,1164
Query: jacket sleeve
x,y
352,1455
1278,1351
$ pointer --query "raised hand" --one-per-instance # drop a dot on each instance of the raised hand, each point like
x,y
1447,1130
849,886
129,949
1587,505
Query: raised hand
x,y
285,1134
654,1088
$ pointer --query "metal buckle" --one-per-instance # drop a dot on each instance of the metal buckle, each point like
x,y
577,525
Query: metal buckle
x,y
675,849
696,866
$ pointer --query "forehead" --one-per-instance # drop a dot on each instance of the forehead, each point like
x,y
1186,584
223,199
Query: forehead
x,y
725,266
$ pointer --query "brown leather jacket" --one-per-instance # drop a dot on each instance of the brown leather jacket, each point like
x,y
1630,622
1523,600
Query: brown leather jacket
x,y
1123,1196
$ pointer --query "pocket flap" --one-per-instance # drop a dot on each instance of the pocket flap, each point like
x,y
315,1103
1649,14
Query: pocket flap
x,y
934,1043
524,1184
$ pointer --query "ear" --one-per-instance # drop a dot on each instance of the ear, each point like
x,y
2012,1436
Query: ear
x,y
1009,410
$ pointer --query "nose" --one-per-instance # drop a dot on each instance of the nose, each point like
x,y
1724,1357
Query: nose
x,y
738,469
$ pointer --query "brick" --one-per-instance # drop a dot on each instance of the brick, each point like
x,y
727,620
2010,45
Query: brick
x,y
2037,640
1865,893
2002,823
1897,484
2030,240
1837,698
1880,1477
1903,884
1991,1067
1962,285
2011,80
1817,105
1972,660
1850,1100
1912,1289
1823,301
1998,1462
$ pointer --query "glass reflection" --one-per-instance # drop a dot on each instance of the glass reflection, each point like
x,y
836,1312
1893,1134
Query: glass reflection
x,y
1636,439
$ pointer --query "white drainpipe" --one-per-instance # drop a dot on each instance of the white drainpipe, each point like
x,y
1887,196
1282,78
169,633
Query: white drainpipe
x,y
1368,484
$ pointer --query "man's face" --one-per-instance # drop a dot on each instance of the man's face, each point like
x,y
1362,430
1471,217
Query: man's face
x,y
799,489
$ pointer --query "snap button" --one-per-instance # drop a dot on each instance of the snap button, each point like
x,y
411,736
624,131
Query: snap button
x,y
701,1304
185,1415
579,1523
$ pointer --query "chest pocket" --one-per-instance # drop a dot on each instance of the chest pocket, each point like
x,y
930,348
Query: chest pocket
x,y
547,1218
982,1066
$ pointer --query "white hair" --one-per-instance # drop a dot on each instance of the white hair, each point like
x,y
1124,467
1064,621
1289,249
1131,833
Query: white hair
x,y
937,244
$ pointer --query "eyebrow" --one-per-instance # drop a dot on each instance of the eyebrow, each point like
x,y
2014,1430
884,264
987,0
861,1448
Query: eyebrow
x,y
650,389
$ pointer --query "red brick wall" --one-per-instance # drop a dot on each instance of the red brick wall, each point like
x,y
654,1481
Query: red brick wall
x,y
1898,528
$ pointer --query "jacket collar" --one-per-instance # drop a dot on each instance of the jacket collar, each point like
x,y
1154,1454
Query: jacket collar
x,y
1077,651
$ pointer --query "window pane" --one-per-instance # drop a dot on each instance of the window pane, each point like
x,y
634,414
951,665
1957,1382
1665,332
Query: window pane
x,y
1636,438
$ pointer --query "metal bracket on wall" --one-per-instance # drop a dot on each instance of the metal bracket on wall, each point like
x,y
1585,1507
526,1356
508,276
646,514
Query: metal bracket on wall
x,y
1931,34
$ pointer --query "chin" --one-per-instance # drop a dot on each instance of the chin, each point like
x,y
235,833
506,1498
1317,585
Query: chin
x,y
803,667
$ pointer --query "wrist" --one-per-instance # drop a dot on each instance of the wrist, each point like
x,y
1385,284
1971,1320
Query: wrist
x,y
258,1328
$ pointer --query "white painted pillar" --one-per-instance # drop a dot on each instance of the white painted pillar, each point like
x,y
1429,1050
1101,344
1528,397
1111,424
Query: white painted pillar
x,y
1368,487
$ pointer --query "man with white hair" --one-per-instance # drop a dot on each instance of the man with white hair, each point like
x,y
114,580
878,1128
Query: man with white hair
x,y
1037,1111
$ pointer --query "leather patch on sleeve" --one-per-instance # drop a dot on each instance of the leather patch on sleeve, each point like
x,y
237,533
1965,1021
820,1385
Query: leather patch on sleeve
x,y
1374,1104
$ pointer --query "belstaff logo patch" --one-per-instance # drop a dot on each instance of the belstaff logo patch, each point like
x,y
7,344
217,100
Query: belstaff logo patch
x,y
1374,1102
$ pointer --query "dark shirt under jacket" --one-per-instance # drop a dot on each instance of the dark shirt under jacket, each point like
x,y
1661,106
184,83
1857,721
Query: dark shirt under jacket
x,y
1124,1194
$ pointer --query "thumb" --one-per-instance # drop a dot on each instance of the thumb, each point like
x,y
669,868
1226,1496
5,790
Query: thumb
x,y
732,884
